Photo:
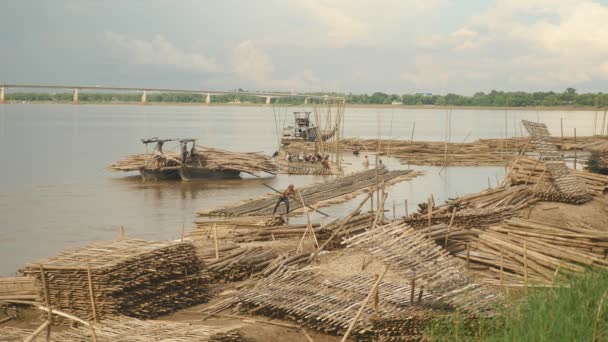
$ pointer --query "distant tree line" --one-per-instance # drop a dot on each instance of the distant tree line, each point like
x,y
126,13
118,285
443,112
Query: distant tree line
x,y
492,99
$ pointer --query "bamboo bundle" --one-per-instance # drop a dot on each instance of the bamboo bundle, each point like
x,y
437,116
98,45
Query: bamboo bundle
x,y
133,277
17,288
126,329
531,171
356,225
241,264
477,210
334,191
228,227
211,158
533,252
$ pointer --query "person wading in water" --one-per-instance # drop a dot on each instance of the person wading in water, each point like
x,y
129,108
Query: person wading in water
x,y
289,192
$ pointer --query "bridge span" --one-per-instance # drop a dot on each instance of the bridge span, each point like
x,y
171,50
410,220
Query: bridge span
x,y
145,90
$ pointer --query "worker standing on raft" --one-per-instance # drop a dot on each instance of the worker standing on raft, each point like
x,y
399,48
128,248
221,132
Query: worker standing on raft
x,y
289,192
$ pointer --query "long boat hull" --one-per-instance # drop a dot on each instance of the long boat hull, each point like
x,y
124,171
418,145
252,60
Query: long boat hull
x,y
165,173
191,173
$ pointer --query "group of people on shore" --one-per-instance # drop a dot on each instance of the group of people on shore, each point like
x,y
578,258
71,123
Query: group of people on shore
x,y
309,158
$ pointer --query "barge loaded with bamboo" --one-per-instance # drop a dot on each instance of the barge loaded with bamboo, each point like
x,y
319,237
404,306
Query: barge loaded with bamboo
x,y
193,162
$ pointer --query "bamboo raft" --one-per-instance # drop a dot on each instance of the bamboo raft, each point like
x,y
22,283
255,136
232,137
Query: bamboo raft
x,y
524,252
137,278
126,329
477,210
210,158
334,191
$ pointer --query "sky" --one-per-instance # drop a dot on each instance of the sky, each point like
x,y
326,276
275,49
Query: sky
x,y
358,46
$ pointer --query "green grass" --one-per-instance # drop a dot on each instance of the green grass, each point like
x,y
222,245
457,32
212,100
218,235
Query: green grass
x,y
575,313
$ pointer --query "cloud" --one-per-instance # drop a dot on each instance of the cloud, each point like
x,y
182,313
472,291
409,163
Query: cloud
x,y
158,51
253,64
520,44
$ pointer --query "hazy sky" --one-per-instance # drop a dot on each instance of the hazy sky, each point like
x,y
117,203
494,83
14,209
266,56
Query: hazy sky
x,y
396,46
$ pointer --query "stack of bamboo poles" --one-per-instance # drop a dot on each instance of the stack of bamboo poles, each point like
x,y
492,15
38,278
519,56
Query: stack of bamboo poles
x,y
275,233
355,225
477,210
330,306
525,252
295,167
18,288
227,227
533,171
416,257
125,329
241,263
138,278
334,191
210,158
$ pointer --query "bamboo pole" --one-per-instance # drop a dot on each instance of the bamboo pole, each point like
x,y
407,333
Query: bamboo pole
x,y
420,293
369,296
561,122
47,299
445,245
37,332
122,232
430,215
501,269
352,214
182,233
217,252
412,290
376,297
412,138
468,256
406,213
394,212
526,266
91,293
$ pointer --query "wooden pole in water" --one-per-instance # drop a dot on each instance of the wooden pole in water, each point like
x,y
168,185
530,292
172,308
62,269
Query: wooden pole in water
x,y
412,138
595,123
91,293
561,122
575,154
122,233
406,213
394,212
369,296
182,233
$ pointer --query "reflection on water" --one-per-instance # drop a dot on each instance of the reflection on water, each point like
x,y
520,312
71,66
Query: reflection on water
x,y
56,190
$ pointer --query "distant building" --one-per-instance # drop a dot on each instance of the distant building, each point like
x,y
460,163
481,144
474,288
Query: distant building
x,y
396,103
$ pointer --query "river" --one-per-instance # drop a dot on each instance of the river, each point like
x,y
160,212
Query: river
x,y
56,191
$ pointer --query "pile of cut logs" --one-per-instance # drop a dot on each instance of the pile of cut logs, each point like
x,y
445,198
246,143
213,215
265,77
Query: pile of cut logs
x,y
528,252
138,278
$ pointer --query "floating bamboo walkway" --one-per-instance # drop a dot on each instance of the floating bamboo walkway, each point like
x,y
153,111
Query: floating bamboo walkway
x,y
334,191
143,279
210,158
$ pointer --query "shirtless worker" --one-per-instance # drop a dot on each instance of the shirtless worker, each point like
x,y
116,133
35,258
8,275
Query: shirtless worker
x,y
289,192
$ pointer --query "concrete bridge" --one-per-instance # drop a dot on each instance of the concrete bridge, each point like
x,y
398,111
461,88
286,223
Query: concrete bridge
x,y
144,92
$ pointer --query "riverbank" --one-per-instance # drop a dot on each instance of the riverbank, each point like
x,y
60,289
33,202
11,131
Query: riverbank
x,y
371,106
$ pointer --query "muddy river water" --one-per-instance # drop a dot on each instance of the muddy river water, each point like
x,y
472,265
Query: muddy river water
x,y
56,191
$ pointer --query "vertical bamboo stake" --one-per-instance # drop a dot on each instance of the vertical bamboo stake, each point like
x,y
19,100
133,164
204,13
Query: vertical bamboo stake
x,y
182,233
420,294
526,266
575,154
217,251
445,245
371,200
501,269
561,122
48,328
412,138
430,215
468,255
412,289
376,297
394,212
91,293
47,301
369,296
122,232
407,215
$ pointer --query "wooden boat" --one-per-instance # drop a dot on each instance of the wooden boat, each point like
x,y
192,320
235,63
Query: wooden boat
x,y
193,162
303,130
